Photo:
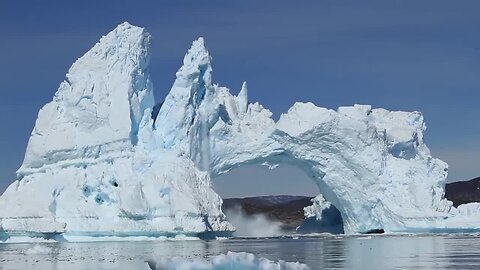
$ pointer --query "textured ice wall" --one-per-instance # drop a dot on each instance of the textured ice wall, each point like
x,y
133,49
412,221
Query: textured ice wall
x,y
99,105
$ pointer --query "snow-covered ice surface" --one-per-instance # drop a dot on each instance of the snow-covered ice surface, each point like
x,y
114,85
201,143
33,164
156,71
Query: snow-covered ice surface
x,y
102,163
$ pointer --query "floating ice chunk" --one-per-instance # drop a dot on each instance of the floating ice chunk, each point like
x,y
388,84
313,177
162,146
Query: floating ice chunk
x,y
38,249
229,261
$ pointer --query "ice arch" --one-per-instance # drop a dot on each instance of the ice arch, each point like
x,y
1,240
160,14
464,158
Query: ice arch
x,y
263,180
102,160
371,164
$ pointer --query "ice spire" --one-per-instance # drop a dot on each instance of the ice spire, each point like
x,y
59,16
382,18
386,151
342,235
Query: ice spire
x,y
181,108
197,63
242,99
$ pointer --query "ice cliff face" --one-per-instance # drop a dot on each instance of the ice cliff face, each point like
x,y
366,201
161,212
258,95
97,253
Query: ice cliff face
x,y
99,162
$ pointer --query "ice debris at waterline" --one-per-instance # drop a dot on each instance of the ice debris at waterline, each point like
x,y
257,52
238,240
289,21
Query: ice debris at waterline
x,y
230,261
100,163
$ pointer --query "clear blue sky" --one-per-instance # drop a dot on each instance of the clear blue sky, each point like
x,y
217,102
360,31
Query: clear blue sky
x,y
400,55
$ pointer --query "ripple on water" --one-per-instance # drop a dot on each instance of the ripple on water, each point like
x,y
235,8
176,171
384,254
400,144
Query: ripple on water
x,y
372,252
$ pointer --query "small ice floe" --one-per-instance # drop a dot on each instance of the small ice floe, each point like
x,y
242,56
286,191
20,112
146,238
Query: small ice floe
x,y
229,261
38,249
364,238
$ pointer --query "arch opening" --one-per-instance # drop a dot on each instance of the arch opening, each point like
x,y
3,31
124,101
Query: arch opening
x,y
265,201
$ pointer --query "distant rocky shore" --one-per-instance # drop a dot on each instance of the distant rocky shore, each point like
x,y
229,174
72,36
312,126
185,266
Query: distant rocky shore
x,y
463,192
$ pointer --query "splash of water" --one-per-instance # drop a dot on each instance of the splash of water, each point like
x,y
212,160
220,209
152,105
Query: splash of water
x,y
257,225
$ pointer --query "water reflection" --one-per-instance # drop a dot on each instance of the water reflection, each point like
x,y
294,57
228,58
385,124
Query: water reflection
x,y
376,252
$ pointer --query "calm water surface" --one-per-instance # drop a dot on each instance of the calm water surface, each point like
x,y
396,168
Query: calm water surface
x,y
363,252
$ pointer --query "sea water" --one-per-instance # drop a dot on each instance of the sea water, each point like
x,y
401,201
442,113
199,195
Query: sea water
x,y
318,252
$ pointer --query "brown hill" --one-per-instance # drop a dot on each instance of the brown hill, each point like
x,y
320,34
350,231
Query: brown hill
x,y
463,192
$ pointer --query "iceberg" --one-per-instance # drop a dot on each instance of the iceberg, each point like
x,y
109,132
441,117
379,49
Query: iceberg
x,y
104,159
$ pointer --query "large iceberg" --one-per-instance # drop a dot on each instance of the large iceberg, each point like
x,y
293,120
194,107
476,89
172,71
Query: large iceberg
x,y
104,160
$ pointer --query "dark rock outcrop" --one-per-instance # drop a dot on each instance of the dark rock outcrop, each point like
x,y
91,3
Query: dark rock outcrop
x,y
463,192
